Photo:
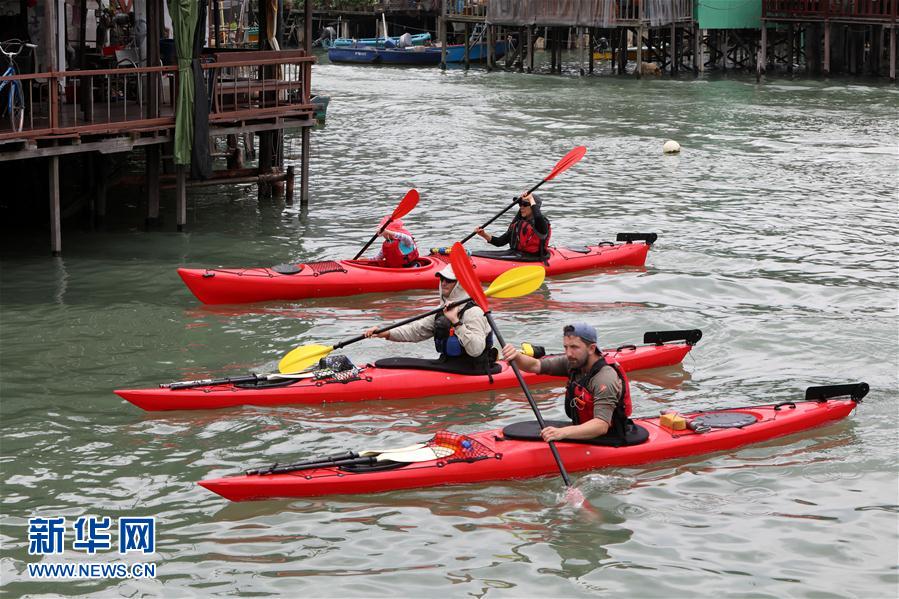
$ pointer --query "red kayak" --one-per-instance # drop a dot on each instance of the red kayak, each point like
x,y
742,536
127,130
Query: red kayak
x,y
370,382
353,277
508,453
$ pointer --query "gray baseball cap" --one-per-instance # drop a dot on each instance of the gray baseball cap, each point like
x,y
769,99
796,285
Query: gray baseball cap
x,y
581,329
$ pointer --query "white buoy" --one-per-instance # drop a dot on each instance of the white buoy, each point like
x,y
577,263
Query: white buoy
x,y
671,147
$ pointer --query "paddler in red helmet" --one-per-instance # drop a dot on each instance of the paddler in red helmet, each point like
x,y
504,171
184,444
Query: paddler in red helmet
x,y
399,249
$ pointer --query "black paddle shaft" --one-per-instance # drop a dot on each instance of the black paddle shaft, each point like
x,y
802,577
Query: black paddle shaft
x,y
347,458
527,393
503,211
373,237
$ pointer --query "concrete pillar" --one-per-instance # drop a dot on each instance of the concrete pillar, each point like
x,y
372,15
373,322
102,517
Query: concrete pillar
x,y
826,69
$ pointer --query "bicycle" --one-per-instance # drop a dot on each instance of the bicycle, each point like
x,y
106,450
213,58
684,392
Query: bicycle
x,y
16,102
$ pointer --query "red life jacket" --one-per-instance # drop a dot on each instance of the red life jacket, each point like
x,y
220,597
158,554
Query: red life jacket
x,y
526,239
579,402
394,257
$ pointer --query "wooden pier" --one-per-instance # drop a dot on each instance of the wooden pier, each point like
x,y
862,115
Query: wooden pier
x,y
89,114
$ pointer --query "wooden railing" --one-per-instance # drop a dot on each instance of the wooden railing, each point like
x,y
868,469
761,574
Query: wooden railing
x,y
862,10
595,13
242,86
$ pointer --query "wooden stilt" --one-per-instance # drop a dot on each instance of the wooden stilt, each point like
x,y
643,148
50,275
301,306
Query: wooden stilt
x,y
304,168
55,220
152,187
102,173
590,42
442,34
763,51
639,70
180,196
893,53
826,47
467,48
581,44
530,48
491,46
265,162
791,44
288,185
672,50
697,48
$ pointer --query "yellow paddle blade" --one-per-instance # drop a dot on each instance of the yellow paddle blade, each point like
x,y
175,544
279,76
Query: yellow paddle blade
x,y
301,358
517,282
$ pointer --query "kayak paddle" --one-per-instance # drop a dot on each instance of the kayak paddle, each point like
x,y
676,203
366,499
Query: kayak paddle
x,y
469,281
414,453
569,160
409,201
512,283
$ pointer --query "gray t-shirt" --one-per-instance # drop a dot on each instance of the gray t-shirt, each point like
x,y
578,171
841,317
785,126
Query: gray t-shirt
x,y
605,386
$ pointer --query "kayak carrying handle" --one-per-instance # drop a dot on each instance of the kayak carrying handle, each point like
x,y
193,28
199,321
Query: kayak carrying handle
x,y
855,391
649,238
784,404
691,336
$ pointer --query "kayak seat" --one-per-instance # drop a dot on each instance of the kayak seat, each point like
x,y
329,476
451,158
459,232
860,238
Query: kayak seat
x,y
510,255
530,431
434,364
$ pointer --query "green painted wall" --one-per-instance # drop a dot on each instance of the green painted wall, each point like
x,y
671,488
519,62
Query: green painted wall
x,y
728,14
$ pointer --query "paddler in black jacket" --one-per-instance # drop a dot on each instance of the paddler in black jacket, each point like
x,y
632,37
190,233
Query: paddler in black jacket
x,y
529,231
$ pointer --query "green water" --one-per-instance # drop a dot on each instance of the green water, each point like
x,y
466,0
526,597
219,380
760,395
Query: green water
x,y
777,228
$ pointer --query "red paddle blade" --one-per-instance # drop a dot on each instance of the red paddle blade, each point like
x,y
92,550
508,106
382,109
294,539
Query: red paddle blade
x,y
409,201
465,274
569,160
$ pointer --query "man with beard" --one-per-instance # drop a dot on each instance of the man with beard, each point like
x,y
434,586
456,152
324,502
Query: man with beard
x,y
597,396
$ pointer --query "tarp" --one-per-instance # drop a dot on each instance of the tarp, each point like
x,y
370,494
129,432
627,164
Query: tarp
x,y
200,160
184,22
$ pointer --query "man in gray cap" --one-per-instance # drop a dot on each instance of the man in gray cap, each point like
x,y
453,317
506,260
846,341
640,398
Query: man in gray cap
x,y
597,397
461,334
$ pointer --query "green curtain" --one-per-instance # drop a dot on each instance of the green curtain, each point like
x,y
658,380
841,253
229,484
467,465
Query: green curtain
x,y
184,22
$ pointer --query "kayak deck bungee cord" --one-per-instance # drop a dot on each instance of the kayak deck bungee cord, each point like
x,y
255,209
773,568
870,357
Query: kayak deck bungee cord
x,y
516,451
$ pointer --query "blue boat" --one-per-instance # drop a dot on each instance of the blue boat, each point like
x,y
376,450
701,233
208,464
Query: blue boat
x,y
415,55
419,39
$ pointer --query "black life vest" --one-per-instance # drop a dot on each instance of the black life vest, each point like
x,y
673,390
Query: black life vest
x,y
579,402
450,348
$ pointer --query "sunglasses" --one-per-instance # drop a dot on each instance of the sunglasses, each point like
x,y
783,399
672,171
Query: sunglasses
x,y
524,203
